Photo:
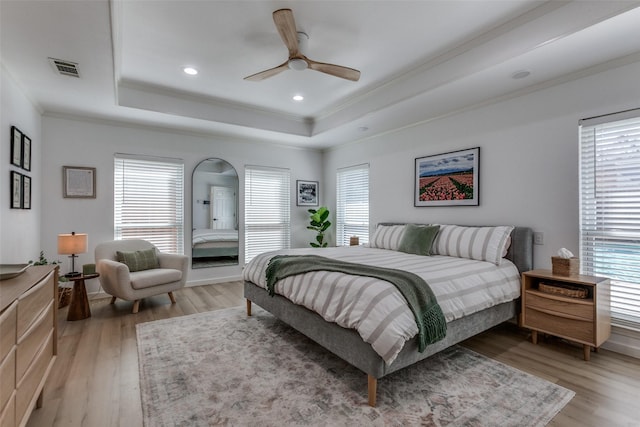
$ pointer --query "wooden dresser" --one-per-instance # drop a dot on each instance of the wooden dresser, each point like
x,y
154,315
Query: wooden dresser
x,y
28,341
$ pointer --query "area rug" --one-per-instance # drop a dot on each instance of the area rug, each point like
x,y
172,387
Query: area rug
x,y
224,368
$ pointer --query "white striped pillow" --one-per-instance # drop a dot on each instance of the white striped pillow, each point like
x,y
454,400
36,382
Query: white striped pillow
x,y
387,237
479,243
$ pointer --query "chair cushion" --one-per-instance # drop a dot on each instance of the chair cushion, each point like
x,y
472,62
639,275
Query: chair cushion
x,y
154,277
138,260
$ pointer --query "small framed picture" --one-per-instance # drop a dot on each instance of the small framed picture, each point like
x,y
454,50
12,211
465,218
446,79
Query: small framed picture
x,y
16,190
16,146
26,152
78,182
307,193
26,192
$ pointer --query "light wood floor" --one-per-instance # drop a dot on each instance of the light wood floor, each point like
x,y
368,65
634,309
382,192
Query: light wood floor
x,y
94,382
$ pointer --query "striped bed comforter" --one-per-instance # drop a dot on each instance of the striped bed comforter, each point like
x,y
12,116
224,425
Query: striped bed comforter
x,y
375,308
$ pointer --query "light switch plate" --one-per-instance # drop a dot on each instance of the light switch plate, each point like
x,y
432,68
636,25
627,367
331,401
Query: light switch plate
x,y
538,238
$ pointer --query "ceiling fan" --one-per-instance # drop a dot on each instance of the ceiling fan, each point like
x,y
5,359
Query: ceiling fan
x,y
293,40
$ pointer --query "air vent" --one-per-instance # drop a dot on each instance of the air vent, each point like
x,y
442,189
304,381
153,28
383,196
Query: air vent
x,y
66,68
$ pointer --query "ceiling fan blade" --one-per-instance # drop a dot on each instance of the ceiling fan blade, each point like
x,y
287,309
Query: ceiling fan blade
x,y
286,26
335,70
268,73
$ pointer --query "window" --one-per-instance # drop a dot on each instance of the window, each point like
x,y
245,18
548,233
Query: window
x,y
610,208
267,203
352,199
148,200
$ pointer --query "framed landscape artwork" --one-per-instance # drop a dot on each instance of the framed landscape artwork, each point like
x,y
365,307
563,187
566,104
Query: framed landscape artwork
x,y
307,193
449,179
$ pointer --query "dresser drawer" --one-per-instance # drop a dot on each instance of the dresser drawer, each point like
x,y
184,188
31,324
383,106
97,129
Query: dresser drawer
x,y
28,386
577,308
8,376
32,340
8,414
32,302
573,329
8,329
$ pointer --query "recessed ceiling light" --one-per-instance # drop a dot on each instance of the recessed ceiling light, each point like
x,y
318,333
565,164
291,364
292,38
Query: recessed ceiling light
x,y
521,74
190,70
298,98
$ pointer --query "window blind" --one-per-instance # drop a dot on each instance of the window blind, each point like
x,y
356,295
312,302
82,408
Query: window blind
x,y
148,201
610,209
352,200
267,224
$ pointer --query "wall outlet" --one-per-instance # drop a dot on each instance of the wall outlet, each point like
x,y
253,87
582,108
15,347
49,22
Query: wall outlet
x,y
538,238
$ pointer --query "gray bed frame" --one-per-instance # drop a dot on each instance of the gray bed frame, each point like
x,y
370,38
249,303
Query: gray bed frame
x,y
348,345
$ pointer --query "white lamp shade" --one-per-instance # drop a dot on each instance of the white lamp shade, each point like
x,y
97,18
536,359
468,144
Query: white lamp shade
x,y
70,244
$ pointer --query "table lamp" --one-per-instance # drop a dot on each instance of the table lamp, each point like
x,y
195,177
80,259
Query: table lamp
x,y
72,244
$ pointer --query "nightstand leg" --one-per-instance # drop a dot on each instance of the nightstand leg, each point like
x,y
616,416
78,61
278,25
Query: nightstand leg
x,y
587,352
534,337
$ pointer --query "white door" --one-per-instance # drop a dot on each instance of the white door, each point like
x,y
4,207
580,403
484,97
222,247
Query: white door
x,y
223,208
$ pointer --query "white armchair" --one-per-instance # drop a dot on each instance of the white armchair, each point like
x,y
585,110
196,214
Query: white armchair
x,y
118,281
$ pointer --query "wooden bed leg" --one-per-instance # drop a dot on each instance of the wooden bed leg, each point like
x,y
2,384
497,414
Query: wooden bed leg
x,y
136,306
172,298
373,386
113,300
248,307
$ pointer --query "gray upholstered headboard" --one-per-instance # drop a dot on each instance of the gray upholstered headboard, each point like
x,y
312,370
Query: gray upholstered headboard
x,y
521,250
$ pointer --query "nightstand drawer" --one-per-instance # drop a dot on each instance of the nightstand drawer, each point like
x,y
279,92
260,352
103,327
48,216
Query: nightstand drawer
x,y
578,308
555,324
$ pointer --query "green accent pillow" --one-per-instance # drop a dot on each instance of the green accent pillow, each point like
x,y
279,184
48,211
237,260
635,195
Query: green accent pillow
x,y
139,260
417,239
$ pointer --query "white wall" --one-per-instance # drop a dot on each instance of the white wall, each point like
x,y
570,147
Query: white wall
x,y
72,142
19,228
528,159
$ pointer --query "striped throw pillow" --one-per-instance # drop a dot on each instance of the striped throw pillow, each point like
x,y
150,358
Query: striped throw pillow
x,y
138,260
479,243
387,237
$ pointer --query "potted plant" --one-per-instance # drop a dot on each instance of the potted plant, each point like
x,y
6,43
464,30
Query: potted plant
x,y
319,224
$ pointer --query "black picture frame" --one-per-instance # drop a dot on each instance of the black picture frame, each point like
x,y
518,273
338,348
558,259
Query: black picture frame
x,y
26,192
26,152
307,193
16,146
448,179
16,190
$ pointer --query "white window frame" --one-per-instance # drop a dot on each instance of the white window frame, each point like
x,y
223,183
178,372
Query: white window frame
x,y
610,209
149,200
352,204
267,210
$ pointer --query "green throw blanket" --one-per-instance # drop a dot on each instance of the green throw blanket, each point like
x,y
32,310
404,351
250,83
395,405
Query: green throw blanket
x,y
432,326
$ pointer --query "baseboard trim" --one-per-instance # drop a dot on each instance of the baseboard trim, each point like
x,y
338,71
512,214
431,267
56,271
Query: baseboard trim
x,y
624,341
213,281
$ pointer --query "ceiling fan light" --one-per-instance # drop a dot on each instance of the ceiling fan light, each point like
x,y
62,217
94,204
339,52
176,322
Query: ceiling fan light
x,y
298,64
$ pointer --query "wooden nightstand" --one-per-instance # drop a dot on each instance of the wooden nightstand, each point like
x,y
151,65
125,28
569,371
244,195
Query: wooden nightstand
x,y
584,320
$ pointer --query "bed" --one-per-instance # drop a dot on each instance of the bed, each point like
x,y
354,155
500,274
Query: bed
x,y
452,247
210,243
